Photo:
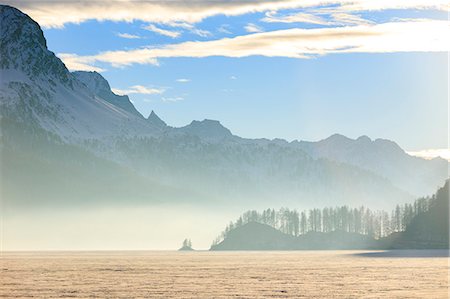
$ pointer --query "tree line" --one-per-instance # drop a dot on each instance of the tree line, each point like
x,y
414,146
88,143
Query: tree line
x,y
362,220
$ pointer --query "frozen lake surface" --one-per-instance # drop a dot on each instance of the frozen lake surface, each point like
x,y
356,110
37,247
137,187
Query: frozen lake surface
x,y
274,274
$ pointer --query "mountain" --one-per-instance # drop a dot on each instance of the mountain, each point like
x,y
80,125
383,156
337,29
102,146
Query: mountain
x,y
100,87
210,130
257,236
155,120
24,50
382,157
37,89
56,131
74,127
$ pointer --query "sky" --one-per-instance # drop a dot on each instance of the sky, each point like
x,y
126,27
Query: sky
x,y
274,69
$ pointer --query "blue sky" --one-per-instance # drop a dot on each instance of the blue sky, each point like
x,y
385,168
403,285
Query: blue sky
x,y
357,69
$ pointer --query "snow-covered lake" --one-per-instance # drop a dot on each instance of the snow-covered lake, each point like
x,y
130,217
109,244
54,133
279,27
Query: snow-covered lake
x,y
274,274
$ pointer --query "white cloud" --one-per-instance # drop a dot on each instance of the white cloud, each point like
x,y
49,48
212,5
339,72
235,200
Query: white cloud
x,y
169,33
432,153
138,89
127,35
201,32
76,63
323,16
191,28
172,99
410,36
183,80
253,28
114,58
225,28
301,17
233,78
342,18
57,13
184,25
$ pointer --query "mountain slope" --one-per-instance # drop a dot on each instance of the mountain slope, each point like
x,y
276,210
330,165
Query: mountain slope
x,y
257,236
80,113
427,230
155,120
37,89
384,158
100,87
38,169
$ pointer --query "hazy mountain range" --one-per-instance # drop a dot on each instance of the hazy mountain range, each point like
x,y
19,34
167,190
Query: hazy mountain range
x,y
66,137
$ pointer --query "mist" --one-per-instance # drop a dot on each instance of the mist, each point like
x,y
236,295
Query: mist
x,y
158,227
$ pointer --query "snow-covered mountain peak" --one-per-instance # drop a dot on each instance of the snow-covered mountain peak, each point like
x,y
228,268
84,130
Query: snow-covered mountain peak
x,y
23,47
100,87
93,80
39,92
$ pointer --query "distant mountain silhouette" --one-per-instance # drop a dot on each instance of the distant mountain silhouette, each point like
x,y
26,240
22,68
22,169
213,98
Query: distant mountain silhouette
x,y
155,120
383,157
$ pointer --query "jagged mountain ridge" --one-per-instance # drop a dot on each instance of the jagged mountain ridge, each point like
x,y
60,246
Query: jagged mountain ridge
x,y
100,87
383,157
203,156
155,120
37,88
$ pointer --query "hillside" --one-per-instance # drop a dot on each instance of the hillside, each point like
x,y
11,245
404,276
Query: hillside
x,y
427,230
343,228
257,236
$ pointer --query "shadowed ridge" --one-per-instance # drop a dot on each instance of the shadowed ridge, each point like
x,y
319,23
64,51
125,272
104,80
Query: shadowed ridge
x,y
155,120
23,47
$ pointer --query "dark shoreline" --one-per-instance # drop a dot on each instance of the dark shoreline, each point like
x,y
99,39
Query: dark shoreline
x,y
407,253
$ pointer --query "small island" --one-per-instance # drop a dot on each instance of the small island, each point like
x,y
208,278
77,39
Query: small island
x,y
186,246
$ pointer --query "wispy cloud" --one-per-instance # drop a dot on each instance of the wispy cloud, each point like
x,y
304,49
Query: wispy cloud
x,y
432,153
127,35
300,17
190,28
233,78
119,59
58,13
342,18
253,28
225,28
201,32
169,33
412,36
76,63
323,16
183,80
138,89
172,99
